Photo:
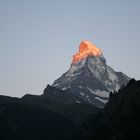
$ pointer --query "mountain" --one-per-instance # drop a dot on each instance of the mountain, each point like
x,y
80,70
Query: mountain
x,y
89,77
119,120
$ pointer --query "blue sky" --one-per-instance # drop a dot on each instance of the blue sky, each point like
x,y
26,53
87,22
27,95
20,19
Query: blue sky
x,y
39,37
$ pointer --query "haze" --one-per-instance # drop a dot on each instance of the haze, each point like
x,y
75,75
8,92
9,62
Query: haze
x,y
38,39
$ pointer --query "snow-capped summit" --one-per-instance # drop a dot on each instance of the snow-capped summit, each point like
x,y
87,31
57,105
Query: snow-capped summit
x,y
86,49
89,77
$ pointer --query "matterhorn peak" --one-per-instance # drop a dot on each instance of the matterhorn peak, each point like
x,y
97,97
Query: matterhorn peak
x,y
89,76
86,49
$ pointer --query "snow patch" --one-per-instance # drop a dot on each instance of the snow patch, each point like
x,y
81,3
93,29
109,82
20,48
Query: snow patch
x,y
81,93
64,88
103,101
80,86
102,93
78,102
90,90
112,75
73,74
55,85
99,92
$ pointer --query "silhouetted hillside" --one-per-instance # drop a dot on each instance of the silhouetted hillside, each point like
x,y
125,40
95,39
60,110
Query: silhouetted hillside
x,y
119,120
40,118
22,121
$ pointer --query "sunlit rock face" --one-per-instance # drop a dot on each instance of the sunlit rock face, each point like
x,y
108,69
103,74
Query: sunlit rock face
x,y
86,49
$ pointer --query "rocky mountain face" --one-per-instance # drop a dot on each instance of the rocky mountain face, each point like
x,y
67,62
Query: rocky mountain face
x,y
60,96
89,77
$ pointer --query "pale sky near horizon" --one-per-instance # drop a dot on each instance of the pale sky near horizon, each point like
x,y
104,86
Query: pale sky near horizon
x,y
39,37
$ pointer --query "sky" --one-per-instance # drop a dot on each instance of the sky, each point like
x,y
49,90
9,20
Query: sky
x,y
39,37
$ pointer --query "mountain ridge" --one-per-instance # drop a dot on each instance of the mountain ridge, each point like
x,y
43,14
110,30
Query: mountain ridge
x,y
90,78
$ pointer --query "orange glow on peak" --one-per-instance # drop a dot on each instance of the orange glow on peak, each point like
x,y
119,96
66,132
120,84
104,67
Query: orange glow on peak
x,y
86,49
